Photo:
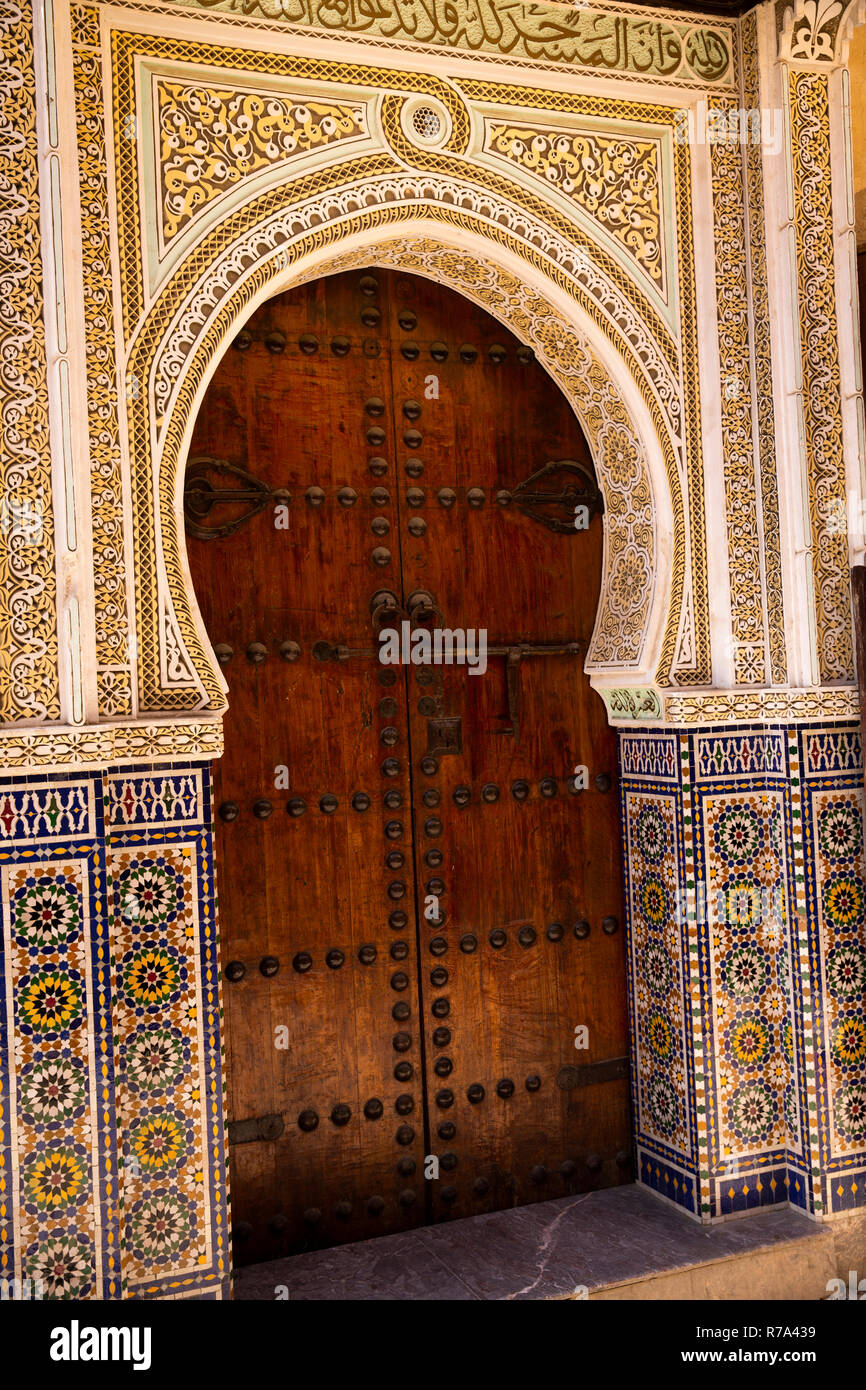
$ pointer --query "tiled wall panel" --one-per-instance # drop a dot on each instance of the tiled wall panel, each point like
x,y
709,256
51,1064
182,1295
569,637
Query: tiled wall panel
x,y
112,1128
836,902
761,830
746,912
60,1224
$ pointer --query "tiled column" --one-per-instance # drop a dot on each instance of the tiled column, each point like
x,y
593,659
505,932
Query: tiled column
x,y
664,1049
745,903
834,952
114,1178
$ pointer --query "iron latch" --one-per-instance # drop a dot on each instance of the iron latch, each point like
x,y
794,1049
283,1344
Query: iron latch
x,y
592,1073
444,736
514,654
255,1130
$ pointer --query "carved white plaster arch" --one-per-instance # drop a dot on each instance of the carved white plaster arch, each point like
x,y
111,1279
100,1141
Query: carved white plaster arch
x,y
628,454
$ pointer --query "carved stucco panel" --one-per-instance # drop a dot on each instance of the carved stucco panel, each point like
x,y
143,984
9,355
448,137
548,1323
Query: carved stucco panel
x,y
29,676
283,221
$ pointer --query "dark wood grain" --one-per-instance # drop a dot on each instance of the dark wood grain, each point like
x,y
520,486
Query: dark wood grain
x,y
319,882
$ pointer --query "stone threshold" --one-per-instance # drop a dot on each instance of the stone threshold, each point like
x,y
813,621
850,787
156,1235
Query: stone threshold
x,y
622,1243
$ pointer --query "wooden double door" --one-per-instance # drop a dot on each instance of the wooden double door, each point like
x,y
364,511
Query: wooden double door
x,y
421,922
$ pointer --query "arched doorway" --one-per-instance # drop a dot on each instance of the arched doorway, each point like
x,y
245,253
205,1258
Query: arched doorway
x,y
420,902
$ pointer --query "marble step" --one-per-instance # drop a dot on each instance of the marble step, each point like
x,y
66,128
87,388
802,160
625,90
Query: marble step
x,y
621,1243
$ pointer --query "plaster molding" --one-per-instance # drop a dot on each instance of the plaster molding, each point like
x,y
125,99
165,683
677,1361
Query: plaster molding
x,y
55,748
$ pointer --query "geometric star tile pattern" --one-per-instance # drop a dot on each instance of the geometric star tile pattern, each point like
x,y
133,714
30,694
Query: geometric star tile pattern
x,y
746,907
114,1170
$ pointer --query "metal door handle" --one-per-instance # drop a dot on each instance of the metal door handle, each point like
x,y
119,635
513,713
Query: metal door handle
x,y
527,498
422,606
200,495
384,607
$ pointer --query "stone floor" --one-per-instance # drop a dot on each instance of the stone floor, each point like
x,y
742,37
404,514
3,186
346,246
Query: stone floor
x,y
622,1239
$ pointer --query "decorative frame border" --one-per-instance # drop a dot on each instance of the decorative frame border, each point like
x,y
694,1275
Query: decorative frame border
x,y
175,668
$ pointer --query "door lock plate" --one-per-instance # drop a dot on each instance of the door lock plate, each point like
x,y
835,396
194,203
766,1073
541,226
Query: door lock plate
x,y
444,736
